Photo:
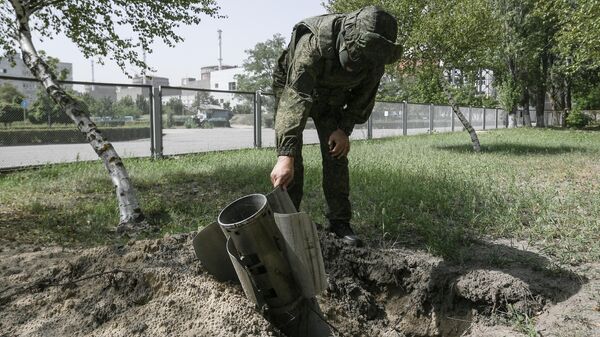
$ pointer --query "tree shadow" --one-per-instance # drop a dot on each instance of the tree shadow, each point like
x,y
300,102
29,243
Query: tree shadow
x,y
515,149
177,200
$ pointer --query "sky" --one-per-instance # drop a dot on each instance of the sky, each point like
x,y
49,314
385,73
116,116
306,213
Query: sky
x,y
247,23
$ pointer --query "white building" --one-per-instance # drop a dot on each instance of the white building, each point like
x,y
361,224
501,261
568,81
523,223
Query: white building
x,y
133,92
225,80
213,79
188,97
29,88
101,91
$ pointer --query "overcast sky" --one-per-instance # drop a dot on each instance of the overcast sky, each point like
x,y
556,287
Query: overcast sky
x,y
247,23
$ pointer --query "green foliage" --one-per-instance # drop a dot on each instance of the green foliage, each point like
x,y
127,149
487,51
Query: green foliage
x,y
258,72
103,107
260,64
94,25
174,106
10,94
10,112
126,107
392,88
436,35
522,321
509,94
243,108
579,34
44,110
142,104
189,123
588,98
201,99
53,62
424,86
577,119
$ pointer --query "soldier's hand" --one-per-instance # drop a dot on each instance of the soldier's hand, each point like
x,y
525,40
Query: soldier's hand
x,y
283,172
339,144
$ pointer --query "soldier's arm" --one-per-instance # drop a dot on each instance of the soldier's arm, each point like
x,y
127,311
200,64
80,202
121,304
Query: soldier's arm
x,y
295,101
361,101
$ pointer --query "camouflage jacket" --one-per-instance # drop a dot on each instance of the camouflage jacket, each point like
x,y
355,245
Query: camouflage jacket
x,y
309,76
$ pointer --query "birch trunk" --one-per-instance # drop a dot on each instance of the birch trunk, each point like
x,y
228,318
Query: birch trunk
x,y
540,98
461,117
129,209
512,118
525,103
526,116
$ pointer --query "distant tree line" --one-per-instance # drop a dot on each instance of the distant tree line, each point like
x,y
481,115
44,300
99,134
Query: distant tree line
x,y
538,51
43,110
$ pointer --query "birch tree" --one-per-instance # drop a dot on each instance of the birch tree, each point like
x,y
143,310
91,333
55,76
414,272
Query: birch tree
x,y
96,27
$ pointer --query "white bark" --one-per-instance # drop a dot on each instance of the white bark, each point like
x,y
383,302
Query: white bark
x,y
526,117
129,209
461,117
512,120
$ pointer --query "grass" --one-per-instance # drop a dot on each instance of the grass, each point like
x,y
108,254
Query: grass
x,y
429,190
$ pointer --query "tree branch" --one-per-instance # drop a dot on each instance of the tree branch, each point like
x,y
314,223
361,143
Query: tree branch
x,y
35,6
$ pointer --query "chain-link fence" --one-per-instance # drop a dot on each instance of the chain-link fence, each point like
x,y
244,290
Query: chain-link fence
x,y
34,130
141,120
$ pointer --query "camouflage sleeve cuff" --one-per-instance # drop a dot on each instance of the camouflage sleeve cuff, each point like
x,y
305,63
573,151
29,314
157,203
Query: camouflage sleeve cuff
x,y
286,151
287,146
346,126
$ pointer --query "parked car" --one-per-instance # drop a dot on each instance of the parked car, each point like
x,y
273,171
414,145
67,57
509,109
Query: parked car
x,y
215,117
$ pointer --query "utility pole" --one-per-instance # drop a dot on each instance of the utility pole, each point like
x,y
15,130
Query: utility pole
x,y
93,80
220,50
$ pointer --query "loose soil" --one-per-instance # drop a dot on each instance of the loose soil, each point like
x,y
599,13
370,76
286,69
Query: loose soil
x,y
159,288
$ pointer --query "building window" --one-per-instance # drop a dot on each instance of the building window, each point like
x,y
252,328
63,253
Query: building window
x,y
216,85
4,70
231,85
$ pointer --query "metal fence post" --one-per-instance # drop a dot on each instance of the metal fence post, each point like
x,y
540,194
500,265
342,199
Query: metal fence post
x,y
484,113
404,118
157,123
258,119
451,119
430,118
370,127
151,113
496,118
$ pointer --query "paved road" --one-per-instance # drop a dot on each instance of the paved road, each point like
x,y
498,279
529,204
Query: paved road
x,y
175,141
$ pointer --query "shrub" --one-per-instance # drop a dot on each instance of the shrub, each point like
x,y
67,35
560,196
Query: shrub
x,y
577,119
190,123
10,112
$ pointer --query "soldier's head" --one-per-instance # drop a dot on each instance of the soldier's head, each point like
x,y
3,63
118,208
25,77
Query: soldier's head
x,y
367,39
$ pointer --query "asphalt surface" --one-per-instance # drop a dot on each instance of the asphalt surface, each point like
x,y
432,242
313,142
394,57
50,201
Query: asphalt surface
x,y
175,141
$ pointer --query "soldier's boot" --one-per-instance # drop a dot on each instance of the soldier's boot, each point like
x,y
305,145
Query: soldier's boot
x,y
343,231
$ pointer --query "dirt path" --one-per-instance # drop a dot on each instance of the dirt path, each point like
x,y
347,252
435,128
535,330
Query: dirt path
x,y
158,288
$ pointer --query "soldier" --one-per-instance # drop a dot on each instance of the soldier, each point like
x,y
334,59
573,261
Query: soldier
x,y
330,71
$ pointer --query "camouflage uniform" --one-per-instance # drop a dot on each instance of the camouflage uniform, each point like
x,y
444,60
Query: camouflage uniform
x,y
310,81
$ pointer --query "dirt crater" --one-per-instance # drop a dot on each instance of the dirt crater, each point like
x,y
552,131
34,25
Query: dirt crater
x,y
159,288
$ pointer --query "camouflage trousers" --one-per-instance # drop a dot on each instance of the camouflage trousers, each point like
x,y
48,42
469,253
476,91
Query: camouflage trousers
x,y
336,179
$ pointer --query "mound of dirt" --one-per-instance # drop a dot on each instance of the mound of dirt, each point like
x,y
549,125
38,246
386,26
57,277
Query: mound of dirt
x,y
158,288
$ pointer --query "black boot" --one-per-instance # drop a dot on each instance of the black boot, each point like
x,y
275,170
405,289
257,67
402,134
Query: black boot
x,y
344,231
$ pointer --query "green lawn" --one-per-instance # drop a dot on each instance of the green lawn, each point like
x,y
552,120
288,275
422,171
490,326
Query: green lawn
x,y
431,191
